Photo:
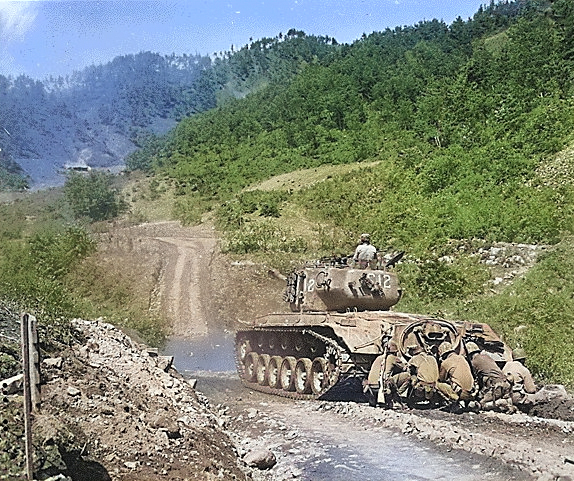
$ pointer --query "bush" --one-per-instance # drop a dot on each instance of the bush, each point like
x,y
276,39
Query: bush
x,y
437,279
32,272
233,214
189,209
55,254
92,196
263,236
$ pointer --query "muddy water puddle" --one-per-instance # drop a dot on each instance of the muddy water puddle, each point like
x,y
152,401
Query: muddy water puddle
x,y
311,441
211,353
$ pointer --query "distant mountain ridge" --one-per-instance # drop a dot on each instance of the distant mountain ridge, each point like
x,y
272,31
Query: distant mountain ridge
x,y
101,114
96,116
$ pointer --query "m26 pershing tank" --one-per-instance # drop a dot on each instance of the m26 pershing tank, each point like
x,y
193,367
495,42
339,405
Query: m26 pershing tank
x,y
340,323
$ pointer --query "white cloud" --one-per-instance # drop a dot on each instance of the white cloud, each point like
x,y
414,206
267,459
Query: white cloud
x,y
16,19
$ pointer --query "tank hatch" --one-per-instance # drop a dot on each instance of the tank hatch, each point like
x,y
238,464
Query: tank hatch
x,y
317,289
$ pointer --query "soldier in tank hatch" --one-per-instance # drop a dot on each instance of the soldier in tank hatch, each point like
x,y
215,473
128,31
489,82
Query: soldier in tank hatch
x,y
365,253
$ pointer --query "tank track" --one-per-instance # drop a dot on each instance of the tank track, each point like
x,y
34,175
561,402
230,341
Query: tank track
x,y
296,343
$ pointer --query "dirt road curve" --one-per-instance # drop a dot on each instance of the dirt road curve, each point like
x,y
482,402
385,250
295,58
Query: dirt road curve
x,y
188,280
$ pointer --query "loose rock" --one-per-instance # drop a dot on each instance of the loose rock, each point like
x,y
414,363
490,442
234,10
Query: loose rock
x,y
260,459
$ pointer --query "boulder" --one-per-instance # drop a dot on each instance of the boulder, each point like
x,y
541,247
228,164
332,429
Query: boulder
x,y
260,459
12,384
165,362
55,362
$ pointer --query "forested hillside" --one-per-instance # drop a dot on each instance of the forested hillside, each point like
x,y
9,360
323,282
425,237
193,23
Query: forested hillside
x,y
461,116
461,121
100,114
96,116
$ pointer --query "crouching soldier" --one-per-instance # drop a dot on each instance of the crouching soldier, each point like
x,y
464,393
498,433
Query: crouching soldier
x,y
388,378
494,388
455,376
423,370
523,387
394,377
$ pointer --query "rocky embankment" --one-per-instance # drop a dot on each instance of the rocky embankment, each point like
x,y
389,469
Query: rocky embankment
x,y
114,410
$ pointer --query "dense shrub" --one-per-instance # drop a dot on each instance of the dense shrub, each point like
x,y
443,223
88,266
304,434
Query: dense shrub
x,y
32,272
93,196
234,213
265,236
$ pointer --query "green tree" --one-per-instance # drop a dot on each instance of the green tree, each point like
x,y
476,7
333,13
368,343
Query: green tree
x,y
93,196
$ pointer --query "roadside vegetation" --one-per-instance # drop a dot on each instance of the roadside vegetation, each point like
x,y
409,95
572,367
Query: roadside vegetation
x,y
451,127
48,244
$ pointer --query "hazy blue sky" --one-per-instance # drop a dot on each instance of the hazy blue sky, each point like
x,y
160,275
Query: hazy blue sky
x,y
55,37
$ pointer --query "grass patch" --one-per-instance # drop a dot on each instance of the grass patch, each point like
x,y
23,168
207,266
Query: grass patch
x,y
150,198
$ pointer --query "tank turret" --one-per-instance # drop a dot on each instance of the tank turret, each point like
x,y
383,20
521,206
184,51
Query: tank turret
x,y
316,289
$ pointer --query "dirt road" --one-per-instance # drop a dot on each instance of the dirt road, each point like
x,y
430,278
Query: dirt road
x,y
321,441
204,293
185,288
187,278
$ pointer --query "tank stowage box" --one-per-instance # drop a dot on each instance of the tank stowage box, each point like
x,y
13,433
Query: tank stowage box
x,y
340,322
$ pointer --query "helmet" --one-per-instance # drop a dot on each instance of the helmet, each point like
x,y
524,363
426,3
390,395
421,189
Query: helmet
x,y
444,348
518,354
472,347
365,237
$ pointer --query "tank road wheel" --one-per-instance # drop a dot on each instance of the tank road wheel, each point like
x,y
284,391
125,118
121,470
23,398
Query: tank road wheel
x,y
243,347
273,370
262,364
303,376
287,373
319,375
251,361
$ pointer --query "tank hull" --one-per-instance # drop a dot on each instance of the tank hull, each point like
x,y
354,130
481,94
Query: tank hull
x,y
340,330
309,355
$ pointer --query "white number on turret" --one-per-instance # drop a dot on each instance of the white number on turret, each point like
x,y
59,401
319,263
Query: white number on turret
x,y
310,284
384,280
381,278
